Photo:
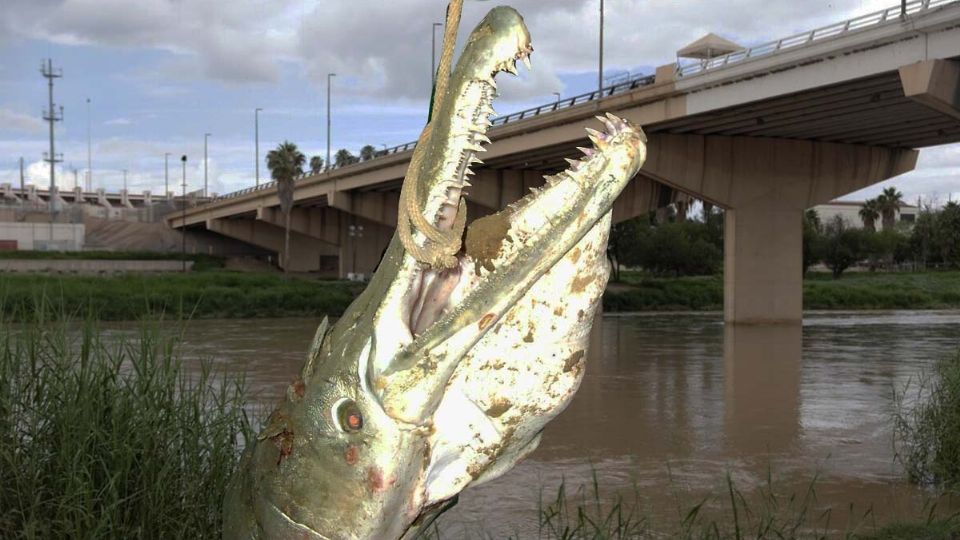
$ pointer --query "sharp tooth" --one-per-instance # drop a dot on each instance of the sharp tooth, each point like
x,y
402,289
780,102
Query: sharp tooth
x,y
475,159
511,67
480,137
526,61
484,122
551,179
586,151
574,164
468,172
467,184
535,190
611,127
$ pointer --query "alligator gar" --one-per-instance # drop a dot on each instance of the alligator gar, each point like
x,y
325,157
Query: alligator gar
x,y
445,370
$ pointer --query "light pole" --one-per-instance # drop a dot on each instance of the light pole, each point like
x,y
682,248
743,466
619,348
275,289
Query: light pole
x,y
183,220
355,233
205,137
124,180
329,77
166,175
433,56
89,153
600,74
256,139
558,96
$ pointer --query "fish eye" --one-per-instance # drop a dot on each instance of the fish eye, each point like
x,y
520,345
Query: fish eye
x,y
348,415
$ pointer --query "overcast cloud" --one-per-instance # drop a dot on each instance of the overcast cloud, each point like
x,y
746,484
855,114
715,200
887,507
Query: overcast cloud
x,y
163,72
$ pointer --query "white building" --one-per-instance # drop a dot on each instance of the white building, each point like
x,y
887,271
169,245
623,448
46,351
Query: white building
x,y
850,212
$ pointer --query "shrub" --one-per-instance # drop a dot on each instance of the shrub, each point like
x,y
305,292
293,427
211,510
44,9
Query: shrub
x,y
111,439
927,426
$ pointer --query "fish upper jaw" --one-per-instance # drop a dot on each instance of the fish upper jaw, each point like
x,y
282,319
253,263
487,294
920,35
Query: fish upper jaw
x,y
539,230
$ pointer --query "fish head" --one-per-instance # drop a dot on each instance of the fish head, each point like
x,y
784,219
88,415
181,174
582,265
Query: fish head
x,y
439,377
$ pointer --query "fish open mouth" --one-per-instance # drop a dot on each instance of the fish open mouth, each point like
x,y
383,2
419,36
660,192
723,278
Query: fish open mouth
x,y
438,313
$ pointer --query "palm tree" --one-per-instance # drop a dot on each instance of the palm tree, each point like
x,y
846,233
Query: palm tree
x,y
316,164
343,157
889,204
367,152
285,164
869,213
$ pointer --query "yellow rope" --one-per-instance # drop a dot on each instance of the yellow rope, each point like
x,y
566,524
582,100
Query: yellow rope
x,y
442,246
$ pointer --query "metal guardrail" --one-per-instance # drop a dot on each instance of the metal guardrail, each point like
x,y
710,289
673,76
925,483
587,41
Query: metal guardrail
x,y
888,15
619,87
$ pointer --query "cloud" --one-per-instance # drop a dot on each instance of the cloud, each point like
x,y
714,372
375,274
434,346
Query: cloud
x,y
228,42
24,123
118,122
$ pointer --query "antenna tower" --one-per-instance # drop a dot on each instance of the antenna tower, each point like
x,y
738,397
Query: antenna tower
x,y
52,117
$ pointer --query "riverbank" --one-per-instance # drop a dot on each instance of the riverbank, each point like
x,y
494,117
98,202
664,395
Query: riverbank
x,y
853,291
216,293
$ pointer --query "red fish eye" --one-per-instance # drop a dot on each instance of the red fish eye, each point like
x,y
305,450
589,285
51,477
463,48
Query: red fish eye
x,y
349,416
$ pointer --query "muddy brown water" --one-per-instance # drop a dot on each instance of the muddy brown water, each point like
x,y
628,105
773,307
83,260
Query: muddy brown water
x,y
672,404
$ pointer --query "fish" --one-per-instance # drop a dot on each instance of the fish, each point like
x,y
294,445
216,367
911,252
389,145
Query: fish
x,y
444,371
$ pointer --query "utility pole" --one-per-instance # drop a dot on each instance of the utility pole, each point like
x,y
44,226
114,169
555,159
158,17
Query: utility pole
x,y
183,221
600,74
51,116
22,192
256,139
89,154
205,137
329,76
124,180
166,175
75,181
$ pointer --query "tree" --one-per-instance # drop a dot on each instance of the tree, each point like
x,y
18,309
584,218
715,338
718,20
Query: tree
x,y
841,246
869,213
622,244
285,164
343,157
947,234
367,152
316,165
812,229
888,203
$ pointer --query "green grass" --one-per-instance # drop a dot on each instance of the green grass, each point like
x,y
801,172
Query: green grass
x,y
200,261
855,290
111,439
927,426
200,295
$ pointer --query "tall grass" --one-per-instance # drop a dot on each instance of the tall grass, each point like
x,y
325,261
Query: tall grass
x,y
927,426
111,438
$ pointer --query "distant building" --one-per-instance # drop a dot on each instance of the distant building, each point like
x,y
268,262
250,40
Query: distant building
x,y
850,212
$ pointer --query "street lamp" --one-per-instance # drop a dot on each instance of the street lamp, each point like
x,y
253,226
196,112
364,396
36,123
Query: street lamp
x,y
89,158
433,56
166,175
183,219
558,96
356,233
329,77
600,74
205,137
256,139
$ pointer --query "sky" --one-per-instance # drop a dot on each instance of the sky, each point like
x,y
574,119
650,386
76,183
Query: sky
x,y
160,74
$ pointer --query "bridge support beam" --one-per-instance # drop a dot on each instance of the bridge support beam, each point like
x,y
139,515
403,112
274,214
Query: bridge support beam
x,y
306,253
765,184
934,84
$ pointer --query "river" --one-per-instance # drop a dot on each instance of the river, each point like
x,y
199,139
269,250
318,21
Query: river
x,y
674,403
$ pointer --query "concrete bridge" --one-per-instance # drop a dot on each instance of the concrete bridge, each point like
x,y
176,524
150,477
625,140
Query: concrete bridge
x,y
764,132
30,195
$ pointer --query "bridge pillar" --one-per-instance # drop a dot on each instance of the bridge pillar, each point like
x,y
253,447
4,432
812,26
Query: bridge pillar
x,y
765,184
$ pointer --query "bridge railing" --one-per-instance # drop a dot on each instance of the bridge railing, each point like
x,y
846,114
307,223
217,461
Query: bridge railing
x,y
618,87
813,36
